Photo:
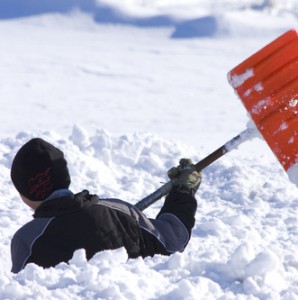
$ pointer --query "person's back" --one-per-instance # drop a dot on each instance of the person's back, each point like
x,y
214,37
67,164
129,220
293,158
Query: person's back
x,y
63,225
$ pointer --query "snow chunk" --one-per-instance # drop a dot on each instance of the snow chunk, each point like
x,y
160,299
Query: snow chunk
x,y
246,135
293,102
258,87
80,137
283,126
238,80
262,104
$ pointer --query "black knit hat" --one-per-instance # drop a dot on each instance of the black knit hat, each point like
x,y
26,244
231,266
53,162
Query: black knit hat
x,y
39,169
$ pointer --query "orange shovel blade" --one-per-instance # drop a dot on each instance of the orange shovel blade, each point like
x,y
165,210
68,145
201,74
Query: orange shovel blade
x,y
267,84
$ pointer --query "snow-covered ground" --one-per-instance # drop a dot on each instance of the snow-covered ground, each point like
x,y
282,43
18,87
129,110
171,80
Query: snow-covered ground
x,y
126,88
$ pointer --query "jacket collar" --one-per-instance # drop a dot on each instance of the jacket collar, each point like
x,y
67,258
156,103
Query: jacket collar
x,y
64,203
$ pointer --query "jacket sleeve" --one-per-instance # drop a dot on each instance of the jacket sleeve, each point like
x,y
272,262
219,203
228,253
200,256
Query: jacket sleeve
x,y
183,205
19,254
23,240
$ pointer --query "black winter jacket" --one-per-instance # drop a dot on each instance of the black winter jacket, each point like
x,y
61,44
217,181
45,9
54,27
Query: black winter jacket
x,y
83,221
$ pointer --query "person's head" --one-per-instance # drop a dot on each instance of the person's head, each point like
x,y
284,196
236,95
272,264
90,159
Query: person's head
x,y
39,169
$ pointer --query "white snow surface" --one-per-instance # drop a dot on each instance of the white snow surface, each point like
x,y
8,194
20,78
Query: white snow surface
x,y
125,94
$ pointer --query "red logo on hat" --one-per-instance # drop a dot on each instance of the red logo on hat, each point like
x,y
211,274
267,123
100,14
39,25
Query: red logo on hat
x,y
40,185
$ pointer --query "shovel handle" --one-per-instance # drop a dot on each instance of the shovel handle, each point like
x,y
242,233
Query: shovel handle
x,y
202,164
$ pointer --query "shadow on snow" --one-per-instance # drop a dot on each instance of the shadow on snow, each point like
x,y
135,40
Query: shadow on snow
x,y
201,27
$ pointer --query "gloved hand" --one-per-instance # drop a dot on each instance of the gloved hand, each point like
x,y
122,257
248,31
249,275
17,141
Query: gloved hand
x,y
185,176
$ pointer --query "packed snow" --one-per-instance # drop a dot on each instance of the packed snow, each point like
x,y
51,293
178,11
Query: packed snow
x,y
125,89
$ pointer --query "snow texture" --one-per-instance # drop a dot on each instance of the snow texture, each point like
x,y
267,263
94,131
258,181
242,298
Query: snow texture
x,y
126,88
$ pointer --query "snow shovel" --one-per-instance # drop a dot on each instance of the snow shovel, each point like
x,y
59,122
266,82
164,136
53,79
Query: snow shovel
x,y
267,85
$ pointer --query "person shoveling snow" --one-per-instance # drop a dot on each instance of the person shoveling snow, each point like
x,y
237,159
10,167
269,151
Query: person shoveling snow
x,y
65,222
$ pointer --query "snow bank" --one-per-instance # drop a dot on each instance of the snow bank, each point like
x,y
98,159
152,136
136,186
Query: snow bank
x,y
243,243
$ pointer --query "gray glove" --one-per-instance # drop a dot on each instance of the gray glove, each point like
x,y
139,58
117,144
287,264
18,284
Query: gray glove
x,y
185,176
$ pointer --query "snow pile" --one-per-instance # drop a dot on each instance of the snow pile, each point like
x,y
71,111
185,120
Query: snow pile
x,y
246,216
